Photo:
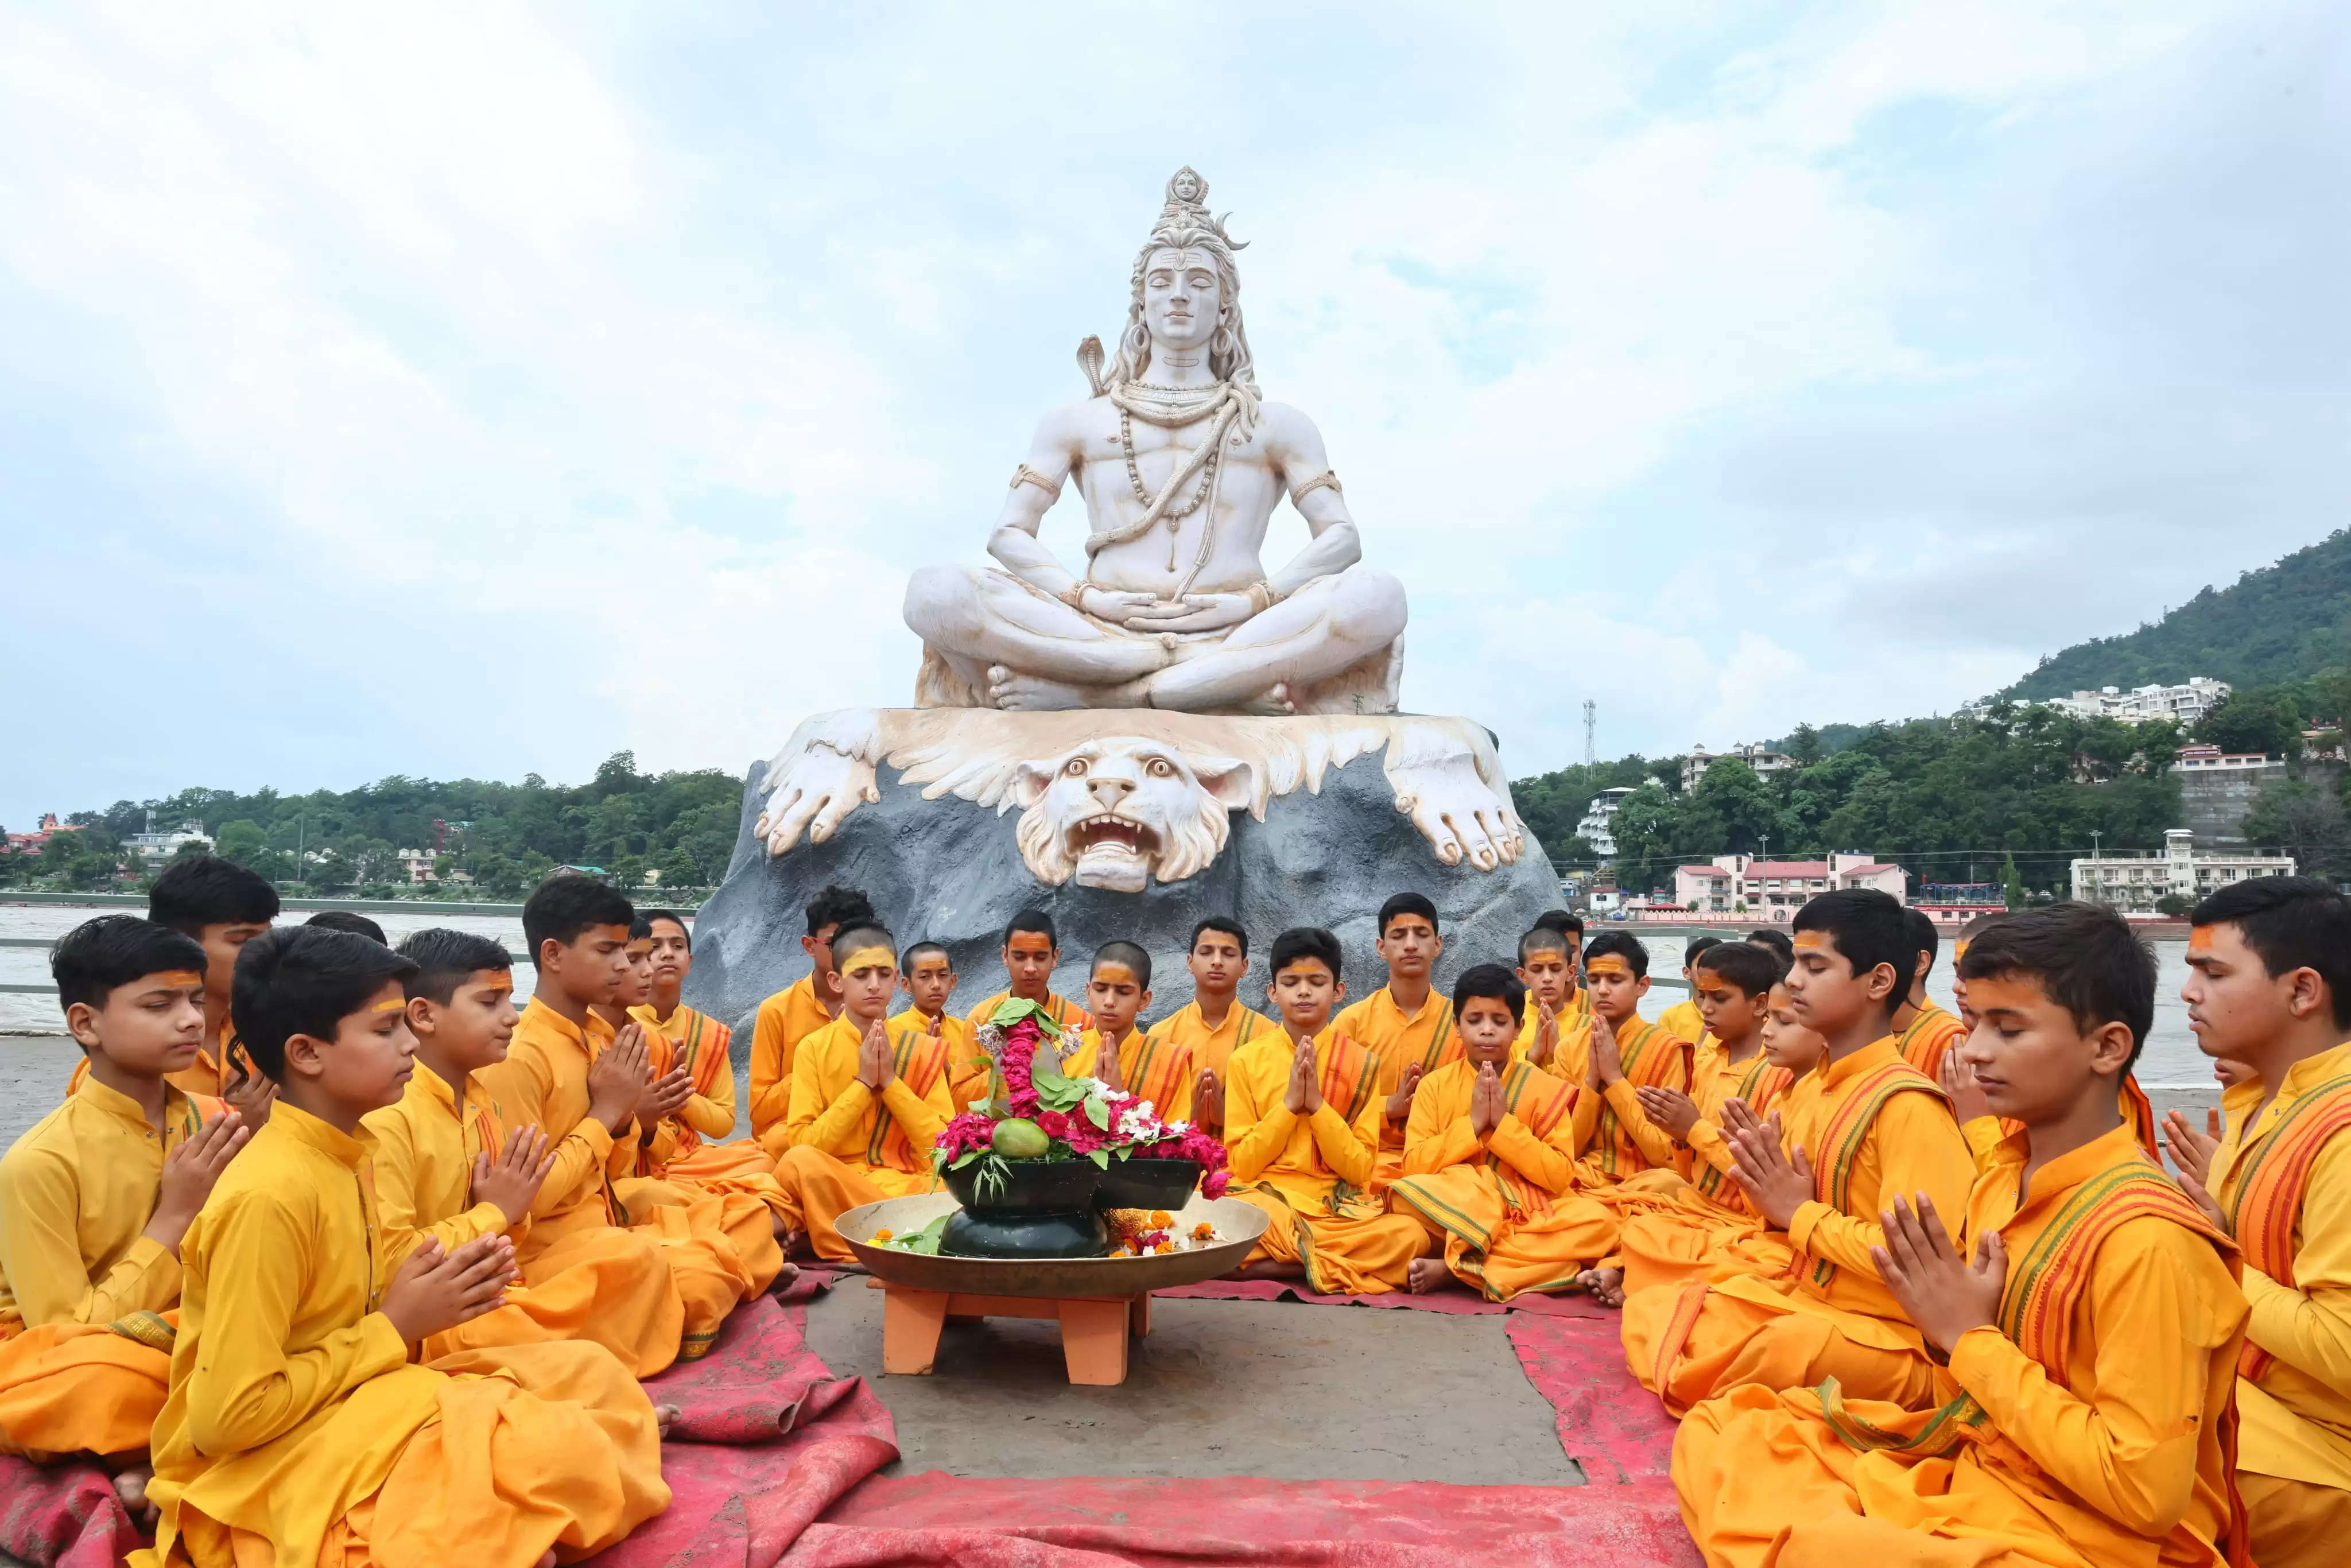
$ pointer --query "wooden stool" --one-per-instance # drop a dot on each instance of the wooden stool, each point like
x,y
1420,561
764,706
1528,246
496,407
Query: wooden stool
x,y
1095,1329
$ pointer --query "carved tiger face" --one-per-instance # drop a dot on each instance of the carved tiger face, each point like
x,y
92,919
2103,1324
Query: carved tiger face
x,y
1118,811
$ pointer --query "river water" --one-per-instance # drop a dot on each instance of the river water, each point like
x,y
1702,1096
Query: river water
x,y
2171,1060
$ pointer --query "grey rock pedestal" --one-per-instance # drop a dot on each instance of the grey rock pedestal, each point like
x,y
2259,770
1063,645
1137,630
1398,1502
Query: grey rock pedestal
x,y
950,872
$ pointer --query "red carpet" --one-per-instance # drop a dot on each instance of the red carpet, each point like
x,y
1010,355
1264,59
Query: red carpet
x,y
775,1460
64,1515
940,1519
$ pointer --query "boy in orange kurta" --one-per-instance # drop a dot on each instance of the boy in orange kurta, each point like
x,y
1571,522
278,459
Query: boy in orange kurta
x,y
2080,1414
797,1011
1489,1165
2269,994
926,972
674,1165
299,1428
1406,1024
95,1197
1624,1054
1214,1022
1683,1019
584,1085
867,1104
1923,1032
222,906
1153,1068
1558,1023
1704,1219
700,1145
448,1168
1031,952
1301,1129
1864,1126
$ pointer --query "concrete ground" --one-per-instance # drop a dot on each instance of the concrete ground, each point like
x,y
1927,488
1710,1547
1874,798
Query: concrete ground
x,y
1218,1388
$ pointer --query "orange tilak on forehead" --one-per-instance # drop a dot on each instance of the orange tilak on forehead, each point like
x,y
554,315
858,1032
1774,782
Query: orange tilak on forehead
x,y
2000,993
176,977
876,958
2202,938
389,1004
1115,975
1608,963
1809,941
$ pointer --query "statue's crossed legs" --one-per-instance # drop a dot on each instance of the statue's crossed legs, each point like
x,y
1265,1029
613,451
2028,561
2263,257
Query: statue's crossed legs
x,y
996,641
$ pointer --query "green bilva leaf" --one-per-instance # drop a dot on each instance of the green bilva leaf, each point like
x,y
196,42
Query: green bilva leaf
x,y
1098,1112
1055,1090
1012,1009
1100,1157
925,1241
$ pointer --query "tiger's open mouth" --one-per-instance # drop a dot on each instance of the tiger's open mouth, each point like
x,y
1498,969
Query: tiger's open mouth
x,y
1112,851
1108,836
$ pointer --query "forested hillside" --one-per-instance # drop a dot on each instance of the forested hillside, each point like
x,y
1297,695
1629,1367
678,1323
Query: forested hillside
x,y
507,836
2285,622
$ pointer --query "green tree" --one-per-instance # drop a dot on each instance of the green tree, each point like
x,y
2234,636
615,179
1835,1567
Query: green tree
x,y
2011,885
2263,718
240,841
679,869
1646,826
2305,821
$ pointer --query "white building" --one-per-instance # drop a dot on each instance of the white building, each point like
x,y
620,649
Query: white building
x,y
151,846
1594,829
1775,890
1760,757
2211,758
2132,880
2184,705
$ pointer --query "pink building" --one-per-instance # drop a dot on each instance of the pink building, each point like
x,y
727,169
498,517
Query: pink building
x,y
1775,890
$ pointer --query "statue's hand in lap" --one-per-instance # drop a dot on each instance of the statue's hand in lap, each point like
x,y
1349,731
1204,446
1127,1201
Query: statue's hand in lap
x,y
1193,613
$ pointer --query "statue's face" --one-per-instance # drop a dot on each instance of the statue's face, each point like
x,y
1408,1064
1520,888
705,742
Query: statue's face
x,y
1181,297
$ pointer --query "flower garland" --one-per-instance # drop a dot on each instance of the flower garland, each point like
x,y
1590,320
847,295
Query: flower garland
x,y
1081,1118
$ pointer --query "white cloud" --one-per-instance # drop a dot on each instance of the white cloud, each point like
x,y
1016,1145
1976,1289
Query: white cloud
x,y
620,376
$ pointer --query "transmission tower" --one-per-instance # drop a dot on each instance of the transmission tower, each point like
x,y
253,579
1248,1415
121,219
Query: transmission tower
x,y
1591,749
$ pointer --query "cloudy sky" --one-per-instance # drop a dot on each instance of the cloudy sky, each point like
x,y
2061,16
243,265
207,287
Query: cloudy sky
x,y
480,389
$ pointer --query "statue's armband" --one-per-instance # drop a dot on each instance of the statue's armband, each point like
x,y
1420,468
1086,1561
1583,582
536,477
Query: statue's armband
x,y
1329,476
1024,474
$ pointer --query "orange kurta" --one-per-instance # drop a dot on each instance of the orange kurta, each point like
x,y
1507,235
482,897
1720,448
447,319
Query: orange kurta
x,y
1212,1048
720,1251
968,1067
1311,1174
601,1283
85,1340
299,1430
1618,1139
1507,1206
1154,1067
1708,1225
851,1146
1683,1021
2089,1428
1398,1040
1872,1127
1930,1034
783,1021
683,1161
2284,1180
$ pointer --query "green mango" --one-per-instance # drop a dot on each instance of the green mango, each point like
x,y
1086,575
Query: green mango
x,y
1018,1138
